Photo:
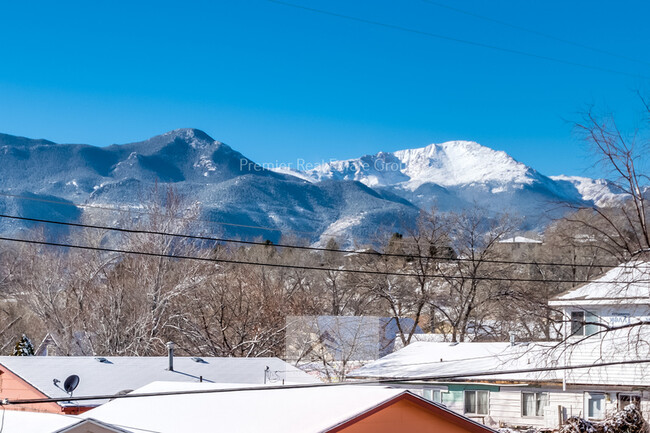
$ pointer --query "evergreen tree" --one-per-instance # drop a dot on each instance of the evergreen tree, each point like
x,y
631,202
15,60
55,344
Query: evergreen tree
x,y
24,347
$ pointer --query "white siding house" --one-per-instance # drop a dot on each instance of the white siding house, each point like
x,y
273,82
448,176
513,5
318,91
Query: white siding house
x,y
540,384
618,298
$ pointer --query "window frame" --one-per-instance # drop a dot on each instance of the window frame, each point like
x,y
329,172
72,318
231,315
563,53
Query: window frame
x,y
433,392
588,324
589,396
627,394
476,392
580,332
536,394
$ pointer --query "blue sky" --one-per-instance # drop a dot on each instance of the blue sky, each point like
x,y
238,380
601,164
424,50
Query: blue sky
x,y
281,83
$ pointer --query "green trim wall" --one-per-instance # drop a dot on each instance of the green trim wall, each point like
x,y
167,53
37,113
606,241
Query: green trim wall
x,y
473,387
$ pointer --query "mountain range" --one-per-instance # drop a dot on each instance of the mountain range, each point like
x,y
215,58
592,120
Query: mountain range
x,y
352,200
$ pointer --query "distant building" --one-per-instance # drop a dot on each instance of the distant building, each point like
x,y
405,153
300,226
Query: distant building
x,y
521,240
78,345
330,345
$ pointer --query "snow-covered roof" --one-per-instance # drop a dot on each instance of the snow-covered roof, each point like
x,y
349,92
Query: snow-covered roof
x,y
286,410
627,283
110,375
520,240
441,361
39,422
421,359
35,422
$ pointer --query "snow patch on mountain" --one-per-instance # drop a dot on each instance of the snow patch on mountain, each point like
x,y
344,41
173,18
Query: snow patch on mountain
x,y
599,191
295,173
340,227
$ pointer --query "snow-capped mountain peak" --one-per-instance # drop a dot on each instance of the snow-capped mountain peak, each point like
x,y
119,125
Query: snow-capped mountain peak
x,y
194,137
456,163
448,164
245,199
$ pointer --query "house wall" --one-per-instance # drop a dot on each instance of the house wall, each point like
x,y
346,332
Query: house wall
x,y
505,403
405,416
506,407
611,315
89,427
13,387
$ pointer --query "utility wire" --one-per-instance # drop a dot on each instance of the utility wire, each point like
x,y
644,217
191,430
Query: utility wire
x,y
179,218
454,39
302,247
303,267
534,32
138,212
190,219
377,381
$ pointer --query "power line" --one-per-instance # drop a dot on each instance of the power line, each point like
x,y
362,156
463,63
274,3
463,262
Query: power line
x,y
303,247
377,381
118,209
273,229
454,39
534,32
180,218
301,267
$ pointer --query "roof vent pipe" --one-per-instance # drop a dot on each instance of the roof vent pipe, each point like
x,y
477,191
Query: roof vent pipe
x,y
170,355
512,338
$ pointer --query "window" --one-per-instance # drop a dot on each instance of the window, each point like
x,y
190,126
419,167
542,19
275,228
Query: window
x,y
533,403
477,402
595,405
431,395
577,323
583,323
626,399
447,398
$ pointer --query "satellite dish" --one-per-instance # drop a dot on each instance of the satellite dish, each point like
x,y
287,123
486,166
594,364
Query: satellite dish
x,y
71,383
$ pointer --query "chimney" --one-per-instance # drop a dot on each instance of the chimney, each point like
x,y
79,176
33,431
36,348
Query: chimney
x,y
170,355
512,338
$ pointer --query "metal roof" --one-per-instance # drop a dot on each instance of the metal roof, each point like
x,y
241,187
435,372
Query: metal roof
x,y
112,374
